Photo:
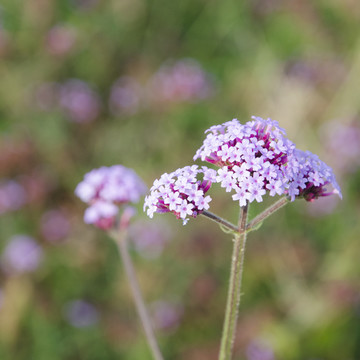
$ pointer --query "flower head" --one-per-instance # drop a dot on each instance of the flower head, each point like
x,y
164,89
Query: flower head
x,y
80,103
22,254
252,157
182,81
81,313
181,192
311,177
256,158
106,188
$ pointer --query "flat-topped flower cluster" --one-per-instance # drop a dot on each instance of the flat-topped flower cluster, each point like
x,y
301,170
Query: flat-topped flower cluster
x,y
105,189
182,192
254,159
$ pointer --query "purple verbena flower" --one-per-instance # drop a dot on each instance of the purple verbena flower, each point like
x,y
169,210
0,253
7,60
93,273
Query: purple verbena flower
x,y
311,177
102,214
12,196
22,254
251,157
184,80
256,158
181,192
105,189
80,103
60,40
81,313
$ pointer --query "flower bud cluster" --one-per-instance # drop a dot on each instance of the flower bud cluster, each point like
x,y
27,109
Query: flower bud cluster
x,y
181,192
106,188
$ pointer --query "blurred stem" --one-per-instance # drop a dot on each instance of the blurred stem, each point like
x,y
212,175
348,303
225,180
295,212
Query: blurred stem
x,y
121,241
234,293
266,213
221,221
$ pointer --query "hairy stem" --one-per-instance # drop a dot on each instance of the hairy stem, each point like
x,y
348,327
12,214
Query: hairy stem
x,y
234,292
266,213
120,238
220,221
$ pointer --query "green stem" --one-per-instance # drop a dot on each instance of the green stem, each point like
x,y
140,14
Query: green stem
x,y
234,293
221,221
120,238
266,213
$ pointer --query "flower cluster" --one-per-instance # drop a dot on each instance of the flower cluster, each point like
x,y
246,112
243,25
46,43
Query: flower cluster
x,y
105,189
80,103
310,175
181,192
256,158
12,196
184,80
22,254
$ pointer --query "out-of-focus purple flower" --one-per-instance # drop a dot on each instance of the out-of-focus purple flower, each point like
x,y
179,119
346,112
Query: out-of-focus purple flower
x,y
256,158
184,80
116,184
166,315
80,103
12,196
149,237
125,96
60,40
22,254
257,350
181,192
54,225
80,313
102,214
106,188
343,145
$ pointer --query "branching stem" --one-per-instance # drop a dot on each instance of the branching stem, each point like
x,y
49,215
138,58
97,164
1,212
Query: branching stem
x,y
220,221
266,213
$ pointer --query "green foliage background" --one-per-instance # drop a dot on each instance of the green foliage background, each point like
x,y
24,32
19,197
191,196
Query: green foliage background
x,y
301,280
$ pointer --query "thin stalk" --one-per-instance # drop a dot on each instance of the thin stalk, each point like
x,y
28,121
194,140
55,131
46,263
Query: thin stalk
x,y
121,242
234,293
266,213
220,221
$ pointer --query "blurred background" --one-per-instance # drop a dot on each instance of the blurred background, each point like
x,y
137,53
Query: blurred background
x,y
87,83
